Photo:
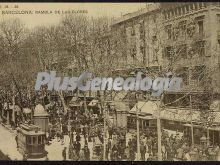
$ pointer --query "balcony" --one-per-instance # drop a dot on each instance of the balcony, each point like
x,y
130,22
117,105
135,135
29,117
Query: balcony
x,y
199,36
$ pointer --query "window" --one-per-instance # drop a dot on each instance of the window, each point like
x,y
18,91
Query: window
x,y
132,29
154,39
146,123
184,74
155,55
133,51
169,31
182,26
187,8
182,50
198,72
168,52
28,140
191,6
142,49
141,29
200,25
39,140
34,140
200,45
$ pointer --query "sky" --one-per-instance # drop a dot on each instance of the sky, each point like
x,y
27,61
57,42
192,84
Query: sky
x,y
93,10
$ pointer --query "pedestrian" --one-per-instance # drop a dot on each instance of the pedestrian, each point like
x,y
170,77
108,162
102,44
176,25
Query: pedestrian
x,y
25,156
64,153
78,138
147,155
179,153
142,151
62,138
16,139
86,153
81,155
78,147
58,135
70,152
132,154
150,158
187,156
126,153
129,143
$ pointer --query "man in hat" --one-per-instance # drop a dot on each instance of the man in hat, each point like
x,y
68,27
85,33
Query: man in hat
x,y
64,153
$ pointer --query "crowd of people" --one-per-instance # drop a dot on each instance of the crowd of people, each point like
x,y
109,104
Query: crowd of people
x,y
120,146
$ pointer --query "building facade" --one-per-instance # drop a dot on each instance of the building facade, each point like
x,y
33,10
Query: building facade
x,y
182,38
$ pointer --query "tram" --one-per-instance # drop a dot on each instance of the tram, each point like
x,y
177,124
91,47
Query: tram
x,y
31,142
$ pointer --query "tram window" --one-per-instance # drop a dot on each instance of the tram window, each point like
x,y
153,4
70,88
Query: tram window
x,y
34,140
39,139
28,140
43,139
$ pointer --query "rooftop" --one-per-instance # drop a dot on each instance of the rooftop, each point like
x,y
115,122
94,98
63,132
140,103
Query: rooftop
x,y
149,8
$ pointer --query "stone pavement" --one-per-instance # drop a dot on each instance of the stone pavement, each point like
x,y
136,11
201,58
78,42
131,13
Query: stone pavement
x,y
8,144
54,150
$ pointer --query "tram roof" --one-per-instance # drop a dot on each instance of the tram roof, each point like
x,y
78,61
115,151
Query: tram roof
x,y
32,133
30,130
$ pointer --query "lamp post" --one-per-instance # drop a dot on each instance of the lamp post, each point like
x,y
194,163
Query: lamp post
x,y
191,120
138,129
159,135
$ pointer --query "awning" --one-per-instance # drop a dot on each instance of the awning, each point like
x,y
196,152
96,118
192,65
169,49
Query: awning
x,y
120,106
78,104
215,128
145,107
27,110
75,101
93,103
183,115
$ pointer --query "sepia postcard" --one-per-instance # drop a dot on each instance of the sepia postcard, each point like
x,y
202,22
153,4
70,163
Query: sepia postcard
x,y
110,81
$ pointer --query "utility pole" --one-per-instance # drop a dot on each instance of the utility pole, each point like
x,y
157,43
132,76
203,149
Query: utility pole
x,y
159,135
104,137
192,131
138,130
13,102
159,130
103,103
138,135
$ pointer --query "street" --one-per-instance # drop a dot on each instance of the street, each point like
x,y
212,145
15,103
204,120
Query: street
x,y
8,147
8,144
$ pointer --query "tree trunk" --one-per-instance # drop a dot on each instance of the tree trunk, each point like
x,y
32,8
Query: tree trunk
x,y
208,137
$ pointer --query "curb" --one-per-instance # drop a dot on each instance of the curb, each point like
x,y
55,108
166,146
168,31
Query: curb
x,y
8,128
